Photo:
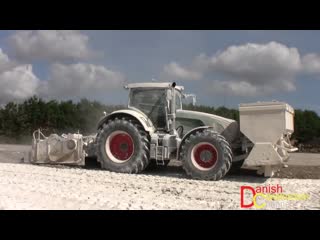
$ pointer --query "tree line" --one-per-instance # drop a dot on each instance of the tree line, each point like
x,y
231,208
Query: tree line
x,y
19,120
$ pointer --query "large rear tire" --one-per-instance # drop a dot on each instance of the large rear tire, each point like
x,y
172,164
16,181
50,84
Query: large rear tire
x,y
206,155
123,146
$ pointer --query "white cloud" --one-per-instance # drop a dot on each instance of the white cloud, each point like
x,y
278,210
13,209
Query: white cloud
x,y
250,69
233,88
3,57
311,63
80,80
258,61
254,69
174,71
52,45
243,88
17,82
5,63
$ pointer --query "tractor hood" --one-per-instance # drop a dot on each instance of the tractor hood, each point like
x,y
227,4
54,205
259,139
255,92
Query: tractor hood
x,y
227,127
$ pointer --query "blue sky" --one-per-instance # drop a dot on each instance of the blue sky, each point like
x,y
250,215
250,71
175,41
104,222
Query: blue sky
x,y
60,67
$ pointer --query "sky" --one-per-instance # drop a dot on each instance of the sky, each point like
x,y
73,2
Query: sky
x,y
223,68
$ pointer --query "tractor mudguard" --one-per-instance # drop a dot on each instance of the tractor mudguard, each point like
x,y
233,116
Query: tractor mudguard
x,y
188,134
147,124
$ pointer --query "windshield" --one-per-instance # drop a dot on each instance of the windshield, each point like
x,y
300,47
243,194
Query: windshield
x,y
151,102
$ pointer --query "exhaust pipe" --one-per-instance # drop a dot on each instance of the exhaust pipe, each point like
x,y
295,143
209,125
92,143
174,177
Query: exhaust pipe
x,y
173,109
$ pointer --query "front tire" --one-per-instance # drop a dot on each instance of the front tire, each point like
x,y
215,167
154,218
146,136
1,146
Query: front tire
x,y
206,155
123,146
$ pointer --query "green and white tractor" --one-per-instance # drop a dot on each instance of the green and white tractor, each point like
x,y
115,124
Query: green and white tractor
x,y
155,129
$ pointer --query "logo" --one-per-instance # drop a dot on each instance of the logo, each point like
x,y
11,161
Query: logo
x,y
267,196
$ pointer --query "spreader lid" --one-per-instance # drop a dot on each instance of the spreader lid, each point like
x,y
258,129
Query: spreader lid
x,y
274,105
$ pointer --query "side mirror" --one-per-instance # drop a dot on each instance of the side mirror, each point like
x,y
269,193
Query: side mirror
x,y
193,96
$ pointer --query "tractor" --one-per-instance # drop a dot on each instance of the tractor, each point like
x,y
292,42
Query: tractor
x,y
155,129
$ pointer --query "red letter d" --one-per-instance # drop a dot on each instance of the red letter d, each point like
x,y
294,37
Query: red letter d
x,y
242,188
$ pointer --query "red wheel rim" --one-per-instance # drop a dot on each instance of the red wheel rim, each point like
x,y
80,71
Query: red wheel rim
x,y
204,156
119,146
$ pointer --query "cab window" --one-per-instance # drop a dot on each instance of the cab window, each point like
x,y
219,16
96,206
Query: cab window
x,y
178,100
151,102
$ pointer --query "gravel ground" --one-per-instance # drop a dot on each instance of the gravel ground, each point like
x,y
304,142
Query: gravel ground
x,y
25,186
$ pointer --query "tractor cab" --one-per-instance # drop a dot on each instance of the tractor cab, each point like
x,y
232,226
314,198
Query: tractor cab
x,y
157,101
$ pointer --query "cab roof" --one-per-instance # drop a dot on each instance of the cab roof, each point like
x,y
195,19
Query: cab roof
x,y
153,85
